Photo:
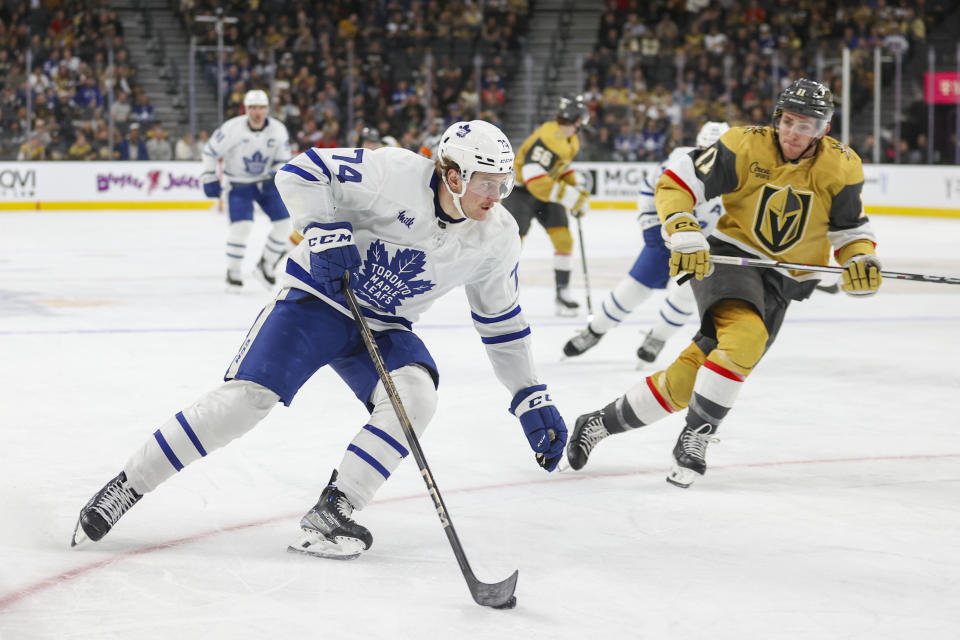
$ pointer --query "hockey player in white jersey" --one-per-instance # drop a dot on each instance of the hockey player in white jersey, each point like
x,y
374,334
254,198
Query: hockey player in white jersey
x,y
651,269
408,229
253,148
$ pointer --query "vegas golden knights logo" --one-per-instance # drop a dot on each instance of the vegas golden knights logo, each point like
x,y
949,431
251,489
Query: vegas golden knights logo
x,y
782,214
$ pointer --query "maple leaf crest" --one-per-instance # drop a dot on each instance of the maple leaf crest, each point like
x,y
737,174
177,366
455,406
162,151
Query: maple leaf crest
x,y
386,281
255,163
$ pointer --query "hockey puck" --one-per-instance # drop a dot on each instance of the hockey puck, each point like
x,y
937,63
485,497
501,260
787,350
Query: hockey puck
x,y
509,604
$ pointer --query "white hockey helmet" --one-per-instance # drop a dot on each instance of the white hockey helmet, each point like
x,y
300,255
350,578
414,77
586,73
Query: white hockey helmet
x,y
478,147
710,132
256,98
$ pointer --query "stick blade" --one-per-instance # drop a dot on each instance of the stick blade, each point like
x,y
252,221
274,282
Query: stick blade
x,y
493,595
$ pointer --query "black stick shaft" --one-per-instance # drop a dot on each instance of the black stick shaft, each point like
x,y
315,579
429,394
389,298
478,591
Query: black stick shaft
x,y
583,262
773,264
489,595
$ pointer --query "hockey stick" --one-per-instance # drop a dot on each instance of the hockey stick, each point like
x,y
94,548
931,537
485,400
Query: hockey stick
x,y
583,262
498,595
773,264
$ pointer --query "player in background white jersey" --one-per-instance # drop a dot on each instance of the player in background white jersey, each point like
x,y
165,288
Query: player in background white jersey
x,y
253,148
408,229
651,269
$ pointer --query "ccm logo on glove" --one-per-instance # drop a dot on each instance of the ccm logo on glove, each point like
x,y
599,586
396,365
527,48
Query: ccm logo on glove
x,y
330,240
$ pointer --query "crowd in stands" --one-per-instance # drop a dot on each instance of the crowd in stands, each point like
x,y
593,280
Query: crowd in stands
x,y
401,67
68,47
407,68
661,67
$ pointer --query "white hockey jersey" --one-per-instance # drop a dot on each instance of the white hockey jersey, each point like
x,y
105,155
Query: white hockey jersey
x,y
707,213
412,252
248,155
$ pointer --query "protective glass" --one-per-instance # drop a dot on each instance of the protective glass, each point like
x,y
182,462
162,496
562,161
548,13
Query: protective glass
x,y
495,186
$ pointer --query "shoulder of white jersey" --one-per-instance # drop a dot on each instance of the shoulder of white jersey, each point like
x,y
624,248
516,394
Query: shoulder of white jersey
x,y
676,153
400,174
501,232
234,124
277,128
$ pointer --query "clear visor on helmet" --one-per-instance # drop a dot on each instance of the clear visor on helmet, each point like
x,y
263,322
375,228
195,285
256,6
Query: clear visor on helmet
x,y
495,186
789,122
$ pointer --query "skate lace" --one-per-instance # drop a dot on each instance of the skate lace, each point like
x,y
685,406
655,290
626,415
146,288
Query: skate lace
x,y
343,507
115,502
695,441
592,433
585,338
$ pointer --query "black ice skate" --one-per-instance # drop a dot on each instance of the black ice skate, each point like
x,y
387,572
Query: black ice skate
x,y
690,454
328,529
265,273
104,509
566,306
581,342
650,348
234,282
588,431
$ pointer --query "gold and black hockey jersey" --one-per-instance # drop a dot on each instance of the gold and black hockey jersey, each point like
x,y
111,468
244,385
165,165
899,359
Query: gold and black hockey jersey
x,y
786,211
544,160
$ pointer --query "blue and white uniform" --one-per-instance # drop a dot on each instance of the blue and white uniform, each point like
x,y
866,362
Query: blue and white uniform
x,y
652,265
411,254
651,269
251,159
412,251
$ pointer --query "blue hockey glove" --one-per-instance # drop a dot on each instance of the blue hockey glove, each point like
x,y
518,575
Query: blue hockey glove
x,y
542,424
332,253
212,189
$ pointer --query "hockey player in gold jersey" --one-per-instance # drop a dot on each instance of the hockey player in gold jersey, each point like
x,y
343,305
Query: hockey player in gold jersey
x,y
791,193
547,189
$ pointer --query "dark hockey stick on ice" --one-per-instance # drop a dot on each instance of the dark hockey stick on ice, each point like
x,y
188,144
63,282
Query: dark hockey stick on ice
x,y
497,595
773,264
583,262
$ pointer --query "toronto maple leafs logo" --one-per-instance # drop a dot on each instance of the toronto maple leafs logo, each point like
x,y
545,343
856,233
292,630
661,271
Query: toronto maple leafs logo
x,y
255,163
387,281
463,130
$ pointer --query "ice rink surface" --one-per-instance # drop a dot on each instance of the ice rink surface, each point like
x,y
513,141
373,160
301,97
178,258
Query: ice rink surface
x,y
831,508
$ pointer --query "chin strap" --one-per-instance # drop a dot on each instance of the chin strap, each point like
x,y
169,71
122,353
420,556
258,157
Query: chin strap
x,y
813,142
457,196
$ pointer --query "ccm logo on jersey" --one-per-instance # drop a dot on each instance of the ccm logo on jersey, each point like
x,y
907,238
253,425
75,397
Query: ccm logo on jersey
x,y
330,241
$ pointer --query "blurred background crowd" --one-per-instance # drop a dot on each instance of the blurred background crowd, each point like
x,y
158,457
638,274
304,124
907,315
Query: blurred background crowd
x,y
76,76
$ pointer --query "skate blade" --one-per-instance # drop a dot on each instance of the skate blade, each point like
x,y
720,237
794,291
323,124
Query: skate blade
x,y
79,536
682,477
564,465
564,312
314,544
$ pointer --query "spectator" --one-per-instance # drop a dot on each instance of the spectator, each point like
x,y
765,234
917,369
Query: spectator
x,y
32,149
81,149
186,148
309,135
56,148
88,96
142,111
120,109
132,147
158,147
